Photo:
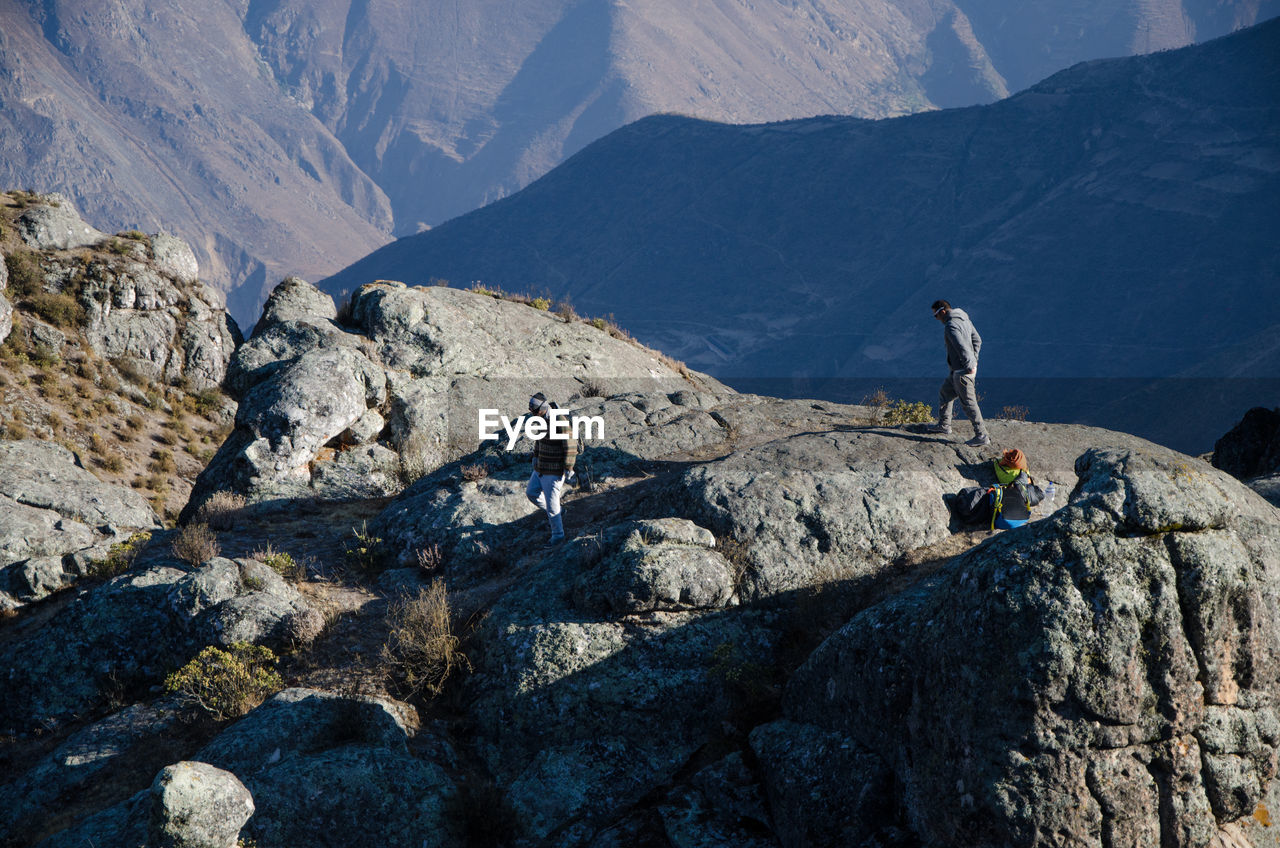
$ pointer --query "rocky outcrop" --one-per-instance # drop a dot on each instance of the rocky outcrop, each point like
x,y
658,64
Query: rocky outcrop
x,y
141,299
169,326
322,766
56,518
1106,676
135,628
54,224
194,805
80,763
408,376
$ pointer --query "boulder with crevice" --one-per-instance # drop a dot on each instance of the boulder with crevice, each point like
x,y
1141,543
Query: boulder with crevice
x,y
1106,676
322,766
133,629
282,424
579,716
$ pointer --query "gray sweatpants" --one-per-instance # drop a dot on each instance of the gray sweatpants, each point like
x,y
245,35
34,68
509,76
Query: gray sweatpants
x,y
543,492
960,385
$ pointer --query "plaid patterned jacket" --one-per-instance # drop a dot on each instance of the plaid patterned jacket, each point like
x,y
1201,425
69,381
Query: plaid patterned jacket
x,y
554,456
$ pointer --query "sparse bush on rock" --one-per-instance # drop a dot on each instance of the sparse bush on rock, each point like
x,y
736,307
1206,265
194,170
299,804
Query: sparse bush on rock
x,y
227,684
195,544
422,651
221,510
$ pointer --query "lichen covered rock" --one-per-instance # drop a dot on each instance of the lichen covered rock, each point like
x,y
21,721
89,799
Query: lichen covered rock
x,y
1107,676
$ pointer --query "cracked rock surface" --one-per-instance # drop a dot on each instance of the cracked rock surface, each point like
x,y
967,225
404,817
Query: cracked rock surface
x,y
1109,676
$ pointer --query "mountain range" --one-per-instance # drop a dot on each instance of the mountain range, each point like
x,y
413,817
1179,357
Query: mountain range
x,y
280,136
1116,220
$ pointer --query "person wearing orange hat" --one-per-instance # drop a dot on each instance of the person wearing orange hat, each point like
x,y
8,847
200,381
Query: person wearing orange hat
x,y
1015,491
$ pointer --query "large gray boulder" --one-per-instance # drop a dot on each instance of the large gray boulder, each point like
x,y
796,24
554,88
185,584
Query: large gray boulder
x,y
580,714
174,257
80,763
298,318
56,225
322,766
661,564
294,299
55,516
194,805
839,506
1106,676
282,424
135,628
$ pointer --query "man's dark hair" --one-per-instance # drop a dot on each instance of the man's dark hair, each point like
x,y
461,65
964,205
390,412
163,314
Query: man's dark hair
x,y
940,304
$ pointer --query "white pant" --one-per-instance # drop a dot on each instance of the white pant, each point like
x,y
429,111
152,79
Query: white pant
x,y
543,492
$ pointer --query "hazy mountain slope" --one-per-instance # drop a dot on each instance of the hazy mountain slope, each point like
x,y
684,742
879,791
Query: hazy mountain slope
x,y
282,136
127,107
1117,219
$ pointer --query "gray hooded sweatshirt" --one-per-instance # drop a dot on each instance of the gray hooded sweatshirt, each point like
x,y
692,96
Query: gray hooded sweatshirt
x,y
963,342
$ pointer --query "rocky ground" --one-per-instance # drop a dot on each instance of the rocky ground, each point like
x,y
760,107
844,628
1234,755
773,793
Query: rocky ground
x,y
765,629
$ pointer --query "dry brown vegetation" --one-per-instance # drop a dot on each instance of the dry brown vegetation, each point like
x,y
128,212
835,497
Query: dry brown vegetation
x,y
195,544
422,650
125,428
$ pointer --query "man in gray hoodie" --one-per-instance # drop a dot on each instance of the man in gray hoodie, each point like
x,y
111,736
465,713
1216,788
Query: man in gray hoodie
x,y
963,344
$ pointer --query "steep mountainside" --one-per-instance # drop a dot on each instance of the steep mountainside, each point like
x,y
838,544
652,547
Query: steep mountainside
x,y
280,136
1103,223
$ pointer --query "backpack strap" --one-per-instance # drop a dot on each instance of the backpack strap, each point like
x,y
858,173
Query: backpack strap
x,y
997,501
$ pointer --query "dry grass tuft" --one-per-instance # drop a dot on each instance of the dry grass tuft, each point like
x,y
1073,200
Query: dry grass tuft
x,y
422,650
221,511
195,544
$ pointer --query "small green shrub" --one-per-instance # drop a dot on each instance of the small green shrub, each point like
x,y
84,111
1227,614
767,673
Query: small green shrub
x,y
422,650
281,562
128,369
206,401
906,412
364,551
120,556
135,235
162,463
541,303
227,684
45,357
